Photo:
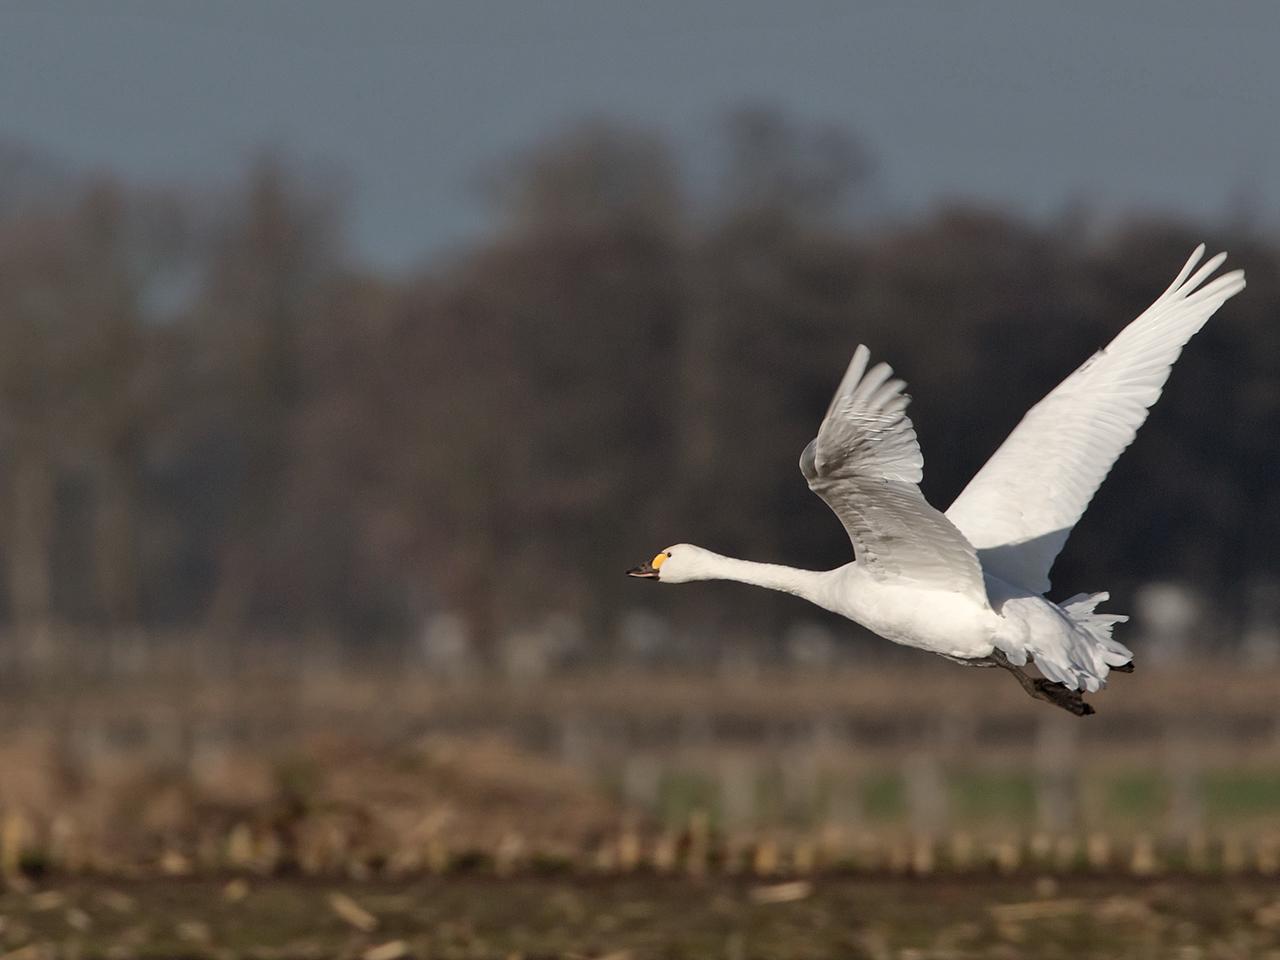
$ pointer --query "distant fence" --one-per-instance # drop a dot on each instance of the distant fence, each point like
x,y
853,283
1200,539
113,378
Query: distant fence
x,y
886,769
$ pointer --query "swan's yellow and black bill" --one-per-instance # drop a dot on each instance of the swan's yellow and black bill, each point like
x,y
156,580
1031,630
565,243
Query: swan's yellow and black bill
x,y
648,571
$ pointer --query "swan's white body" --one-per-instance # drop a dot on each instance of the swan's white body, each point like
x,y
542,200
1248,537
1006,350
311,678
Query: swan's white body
x,y
971,582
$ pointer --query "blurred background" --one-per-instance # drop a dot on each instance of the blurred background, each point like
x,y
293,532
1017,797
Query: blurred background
x,y
349,354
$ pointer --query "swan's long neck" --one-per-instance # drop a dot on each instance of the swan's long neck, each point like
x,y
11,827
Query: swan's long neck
x,y
771,576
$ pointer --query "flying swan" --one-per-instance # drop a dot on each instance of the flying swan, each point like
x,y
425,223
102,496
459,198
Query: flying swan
x,y
969,584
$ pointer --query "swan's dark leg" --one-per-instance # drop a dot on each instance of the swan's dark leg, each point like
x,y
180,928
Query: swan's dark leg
x,y
1041,689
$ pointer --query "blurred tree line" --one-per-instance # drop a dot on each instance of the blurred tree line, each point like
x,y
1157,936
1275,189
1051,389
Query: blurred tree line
x,y
213,417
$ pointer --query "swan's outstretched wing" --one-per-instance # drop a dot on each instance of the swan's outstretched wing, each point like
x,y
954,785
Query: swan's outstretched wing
x,y
1020,507
865,463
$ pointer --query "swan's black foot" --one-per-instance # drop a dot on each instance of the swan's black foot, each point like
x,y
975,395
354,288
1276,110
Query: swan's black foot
x,y
1070,700
1124,668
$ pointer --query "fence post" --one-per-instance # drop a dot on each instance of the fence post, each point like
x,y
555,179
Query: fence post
x,y
1054,761
1182,771
926,794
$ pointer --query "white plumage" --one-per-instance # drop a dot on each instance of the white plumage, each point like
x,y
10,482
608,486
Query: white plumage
x,y
969,584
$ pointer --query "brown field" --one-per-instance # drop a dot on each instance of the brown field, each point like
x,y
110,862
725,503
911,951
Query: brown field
x,y
891,813
645,916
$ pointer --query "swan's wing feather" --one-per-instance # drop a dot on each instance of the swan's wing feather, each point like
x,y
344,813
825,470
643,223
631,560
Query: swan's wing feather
x,y
865,463
1020,507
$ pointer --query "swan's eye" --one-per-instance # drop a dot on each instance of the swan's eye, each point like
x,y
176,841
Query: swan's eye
x,y
659,560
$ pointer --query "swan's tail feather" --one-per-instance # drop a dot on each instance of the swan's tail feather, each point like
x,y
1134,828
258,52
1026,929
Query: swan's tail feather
x,y
1098,626
1070,641
1081,656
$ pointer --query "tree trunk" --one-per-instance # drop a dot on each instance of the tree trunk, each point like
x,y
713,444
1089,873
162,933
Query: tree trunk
x,y
31,547
114,545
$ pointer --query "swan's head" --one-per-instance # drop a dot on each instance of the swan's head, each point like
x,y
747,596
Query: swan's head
x,y
677,564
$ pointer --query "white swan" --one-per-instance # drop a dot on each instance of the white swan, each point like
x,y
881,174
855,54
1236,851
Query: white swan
x,y
969,584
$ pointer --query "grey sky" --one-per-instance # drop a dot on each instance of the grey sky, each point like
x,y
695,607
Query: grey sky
x,y
1166,106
